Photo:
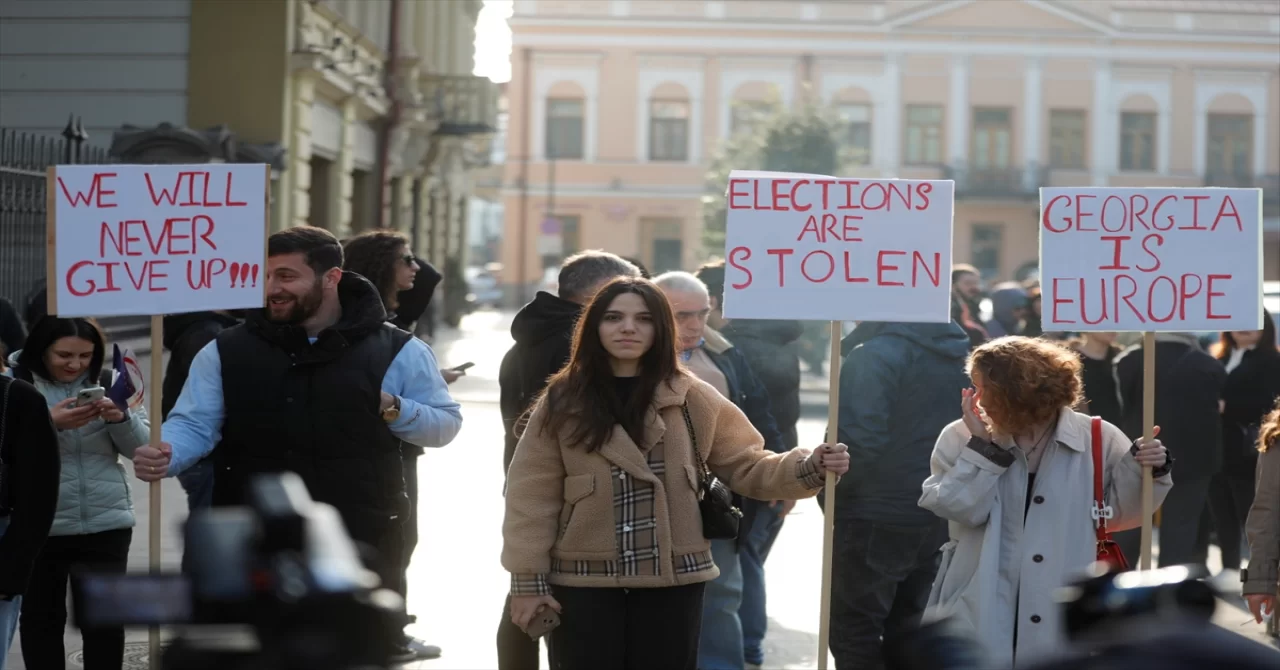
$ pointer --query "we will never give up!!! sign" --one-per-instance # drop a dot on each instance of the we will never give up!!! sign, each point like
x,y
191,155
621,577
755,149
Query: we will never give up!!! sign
x,y
156,239
812,247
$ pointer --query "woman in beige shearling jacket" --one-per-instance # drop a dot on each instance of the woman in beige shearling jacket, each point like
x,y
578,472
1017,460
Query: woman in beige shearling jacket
x,y
602,522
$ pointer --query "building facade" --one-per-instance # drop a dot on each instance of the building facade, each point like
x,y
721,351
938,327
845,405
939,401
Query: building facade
x,y
617,105
371,105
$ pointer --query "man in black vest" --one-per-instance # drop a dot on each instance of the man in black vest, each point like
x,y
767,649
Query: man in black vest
x,y
316,383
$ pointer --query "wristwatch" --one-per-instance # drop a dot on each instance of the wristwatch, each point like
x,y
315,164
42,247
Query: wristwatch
x,y
393,412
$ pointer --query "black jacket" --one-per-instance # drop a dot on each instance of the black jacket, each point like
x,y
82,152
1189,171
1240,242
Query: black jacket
x,y
1249,393
1189,384
33,470
745,389
900,385
313,409
772,352
543,331
184,336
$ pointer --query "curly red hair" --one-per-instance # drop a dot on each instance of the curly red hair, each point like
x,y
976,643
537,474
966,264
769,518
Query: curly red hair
x,y
1269,431
1025,381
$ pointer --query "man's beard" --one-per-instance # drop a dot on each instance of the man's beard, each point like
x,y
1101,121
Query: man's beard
x,y
304,306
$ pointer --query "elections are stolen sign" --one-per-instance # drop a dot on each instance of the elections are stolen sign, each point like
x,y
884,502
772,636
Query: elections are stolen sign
x,y
813,247
1151,259
156,239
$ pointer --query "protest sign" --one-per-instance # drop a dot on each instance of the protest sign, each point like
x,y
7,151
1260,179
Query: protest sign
x,y
156,239
126,240
823,248
1151,259
812,247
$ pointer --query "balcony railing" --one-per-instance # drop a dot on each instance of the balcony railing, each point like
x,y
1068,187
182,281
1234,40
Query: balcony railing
x,y
1011,182
463,104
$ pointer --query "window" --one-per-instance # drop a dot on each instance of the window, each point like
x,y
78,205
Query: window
x,y
856,120
992,137
986,241
1138,141
924,135
1230,150
668,130
570,234
749,116
564,128
1066,139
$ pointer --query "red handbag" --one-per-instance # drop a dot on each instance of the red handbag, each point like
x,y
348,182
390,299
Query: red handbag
x,y
1109,553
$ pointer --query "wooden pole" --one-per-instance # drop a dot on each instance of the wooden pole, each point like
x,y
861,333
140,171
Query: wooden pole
x,y
1148,430
829,503
155,412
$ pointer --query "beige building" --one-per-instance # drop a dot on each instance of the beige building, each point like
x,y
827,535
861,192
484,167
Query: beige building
x,y
617,105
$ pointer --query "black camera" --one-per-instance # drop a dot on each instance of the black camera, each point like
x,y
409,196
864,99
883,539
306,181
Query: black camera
x,y
277,584
1151,620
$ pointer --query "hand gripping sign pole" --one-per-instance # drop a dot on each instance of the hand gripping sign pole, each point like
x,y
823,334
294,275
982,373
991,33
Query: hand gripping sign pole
x,y
132,240
1151,260
815,248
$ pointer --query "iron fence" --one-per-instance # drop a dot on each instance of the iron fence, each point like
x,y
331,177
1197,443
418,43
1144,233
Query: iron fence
x,y
24,159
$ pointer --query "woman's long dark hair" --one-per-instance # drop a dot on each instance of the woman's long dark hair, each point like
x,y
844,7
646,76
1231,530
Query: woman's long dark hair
x,y
582,394
376,255
1226,344
50,329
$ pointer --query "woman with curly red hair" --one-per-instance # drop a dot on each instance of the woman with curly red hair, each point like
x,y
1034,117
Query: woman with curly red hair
x,y
1015,479
1263,528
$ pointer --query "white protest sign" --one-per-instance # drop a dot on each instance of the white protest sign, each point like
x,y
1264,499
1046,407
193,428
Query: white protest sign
x,y
824,248
156,239
1151,259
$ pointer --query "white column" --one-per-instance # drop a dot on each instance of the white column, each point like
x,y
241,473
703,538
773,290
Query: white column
x,y
1200,136
1032,116
1103,144
958,114
887,123
695,125
1164,137
1260,140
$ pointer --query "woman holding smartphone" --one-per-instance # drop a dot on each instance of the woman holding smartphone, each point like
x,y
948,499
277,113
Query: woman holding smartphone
x,y
603,522
93,524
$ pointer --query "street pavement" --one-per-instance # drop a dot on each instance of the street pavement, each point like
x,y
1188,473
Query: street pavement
x,y
456,583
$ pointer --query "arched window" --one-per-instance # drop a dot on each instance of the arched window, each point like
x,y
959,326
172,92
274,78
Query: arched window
x,y
565,118
1138,134
1229,141
854,107
669,113
753,103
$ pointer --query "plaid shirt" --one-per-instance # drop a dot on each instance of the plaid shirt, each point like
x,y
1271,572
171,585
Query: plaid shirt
x,y
635,528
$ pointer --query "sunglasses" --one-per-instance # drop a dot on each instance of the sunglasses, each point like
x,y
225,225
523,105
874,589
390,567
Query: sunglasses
x,y
408,259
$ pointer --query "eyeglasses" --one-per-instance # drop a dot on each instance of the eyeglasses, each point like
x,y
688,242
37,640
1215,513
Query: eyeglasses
x,y
409,259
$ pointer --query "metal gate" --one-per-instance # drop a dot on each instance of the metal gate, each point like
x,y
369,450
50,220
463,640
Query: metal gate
x,y
24,157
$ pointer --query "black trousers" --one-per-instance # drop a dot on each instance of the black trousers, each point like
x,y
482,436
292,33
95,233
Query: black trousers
x,y
409,536
516,650
1229,500
880,585
1182,541
627,629
44,605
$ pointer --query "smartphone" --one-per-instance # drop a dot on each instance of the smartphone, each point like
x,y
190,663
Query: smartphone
x,y
545,621
464,367
90,395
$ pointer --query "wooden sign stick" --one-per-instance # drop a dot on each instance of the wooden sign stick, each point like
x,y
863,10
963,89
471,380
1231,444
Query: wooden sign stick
x,y
155,412
1148,430
829,502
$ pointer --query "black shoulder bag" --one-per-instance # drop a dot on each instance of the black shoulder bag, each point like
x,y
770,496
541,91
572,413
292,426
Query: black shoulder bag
x,y
719,517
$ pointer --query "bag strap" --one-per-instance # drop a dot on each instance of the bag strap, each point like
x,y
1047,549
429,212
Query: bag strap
x,y
1101,511
703,470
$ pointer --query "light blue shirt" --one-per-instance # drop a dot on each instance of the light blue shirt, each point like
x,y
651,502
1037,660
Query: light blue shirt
x,y
429,417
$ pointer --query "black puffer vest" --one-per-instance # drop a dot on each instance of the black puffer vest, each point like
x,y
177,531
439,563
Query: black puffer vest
x,y
313,409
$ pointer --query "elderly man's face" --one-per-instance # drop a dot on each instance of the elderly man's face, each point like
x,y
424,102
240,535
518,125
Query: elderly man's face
x,y
691,311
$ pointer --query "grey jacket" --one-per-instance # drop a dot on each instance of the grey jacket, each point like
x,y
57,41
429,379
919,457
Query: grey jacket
x,y
93,495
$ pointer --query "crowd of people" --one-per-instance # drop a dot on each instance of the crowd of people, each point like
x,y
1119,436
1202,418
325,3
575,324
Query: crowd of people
x,y
652,455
